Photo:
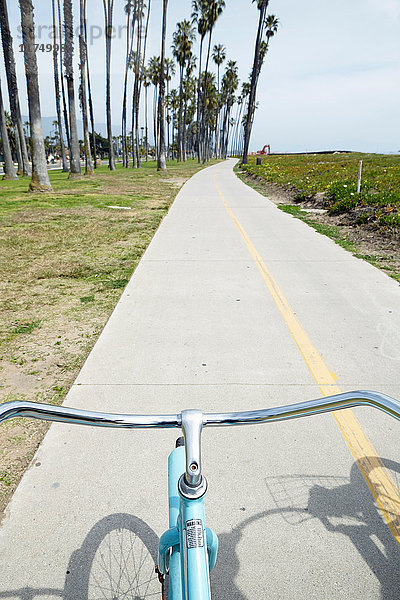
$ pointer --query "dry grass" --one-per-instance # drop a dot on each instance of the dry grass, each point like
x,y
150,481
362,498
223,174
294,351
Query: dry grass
x,y
65,258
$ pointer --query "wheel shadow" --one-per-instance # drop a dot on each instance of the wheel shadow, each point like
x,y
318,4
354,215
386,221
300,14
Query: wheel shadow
x,y
116,561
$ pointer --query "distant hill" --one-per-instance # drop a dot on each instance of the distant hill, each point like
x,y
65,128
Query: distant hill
x,y
48,127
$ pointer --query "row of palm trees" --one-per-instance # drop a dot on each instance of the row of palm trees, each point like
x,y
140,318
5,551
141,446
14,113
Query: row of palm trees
x,y
198,118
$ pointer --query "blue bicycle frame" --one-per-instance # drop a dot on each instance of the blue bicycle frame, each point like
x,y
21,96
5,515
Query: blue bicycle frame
x,y
188,550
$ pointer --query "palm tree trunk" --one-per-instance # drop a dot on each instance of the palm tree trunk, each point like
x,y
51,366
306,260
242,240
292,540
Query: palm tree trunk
x,y
129,38
253,85
167,120
91,113
141,61
9,62
40,177
135,99
108,18
9,169
198,102
82,94
57,91
65,112
155,102
18,149
184,133
161,164
74,161
203,103
147,129
180,116
144,62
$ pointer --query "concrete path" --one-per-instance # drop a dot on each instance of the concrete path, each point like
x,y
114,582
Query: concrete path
x,y
202,324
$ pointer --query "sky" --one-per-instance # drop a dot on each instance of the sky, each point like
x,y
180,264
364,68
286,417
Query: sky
x,y
331,80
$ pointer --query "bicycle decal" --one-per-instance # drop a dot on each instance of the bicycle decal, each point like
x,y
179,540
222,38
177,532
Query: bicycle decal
x,y
194,534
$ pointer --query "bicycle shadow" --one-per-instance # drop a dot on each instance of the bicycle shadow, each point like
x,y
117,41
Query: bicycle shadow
x,y
117,557
344,506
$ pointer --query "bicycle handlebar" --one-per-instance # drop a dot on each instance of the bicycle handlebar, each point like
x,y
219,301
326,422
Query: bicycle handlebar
x,y
47,412
192,483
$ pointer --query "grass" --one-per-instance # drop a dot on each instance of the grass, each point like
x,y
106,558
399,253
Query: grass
x,y
65,258
333,177
26,327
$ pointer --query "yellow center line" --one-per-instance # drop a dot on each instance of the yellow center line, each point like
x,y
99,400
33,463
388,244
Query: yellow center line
x,y
377,477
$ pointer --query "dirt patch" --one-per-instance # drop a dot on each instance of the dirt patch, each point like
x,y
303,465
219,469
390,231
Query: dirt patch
x,y
178,182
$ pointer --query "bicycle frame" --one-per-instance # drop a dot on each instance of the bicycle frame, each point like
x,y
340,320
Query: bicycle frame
x,y
188,550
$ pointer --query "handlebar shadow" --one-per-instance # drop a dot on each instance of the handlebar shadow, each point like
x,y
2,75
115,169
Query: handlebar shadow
x,y
343,505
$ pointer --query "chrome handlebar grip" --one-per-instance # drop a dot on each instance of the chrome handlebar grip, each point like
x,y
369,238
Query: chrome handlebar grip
x,y
382,402
63,414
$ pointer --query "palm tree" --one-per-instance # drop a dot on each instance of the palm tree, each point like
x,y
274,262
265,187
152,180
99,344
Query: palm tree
x,y
82,89
214,10
91,113
128,51
138,68
74,159
269,26
137,65
218,55
241,102
154,75
57,90
40,177
206,12
161,161
230,82
189,94
210,111
199,16
108,6
173,102
169,72
11,74
183,39
146,84
63,95
9,169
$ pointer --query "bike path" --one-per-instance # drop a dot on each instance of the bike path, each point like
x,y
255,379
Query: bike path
x,y
197,326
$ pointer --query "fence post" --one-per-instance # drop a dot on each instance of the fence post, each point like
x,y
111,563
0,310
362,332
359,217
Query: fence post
x,y
359,177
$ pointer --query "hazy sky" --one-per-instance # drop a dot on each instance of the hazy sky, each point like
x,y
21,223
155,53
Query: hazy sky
x,y
331,79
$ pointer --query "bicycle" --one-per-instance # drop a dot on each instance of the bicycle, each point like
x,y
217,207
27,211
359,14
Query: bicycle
x,y
188,549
